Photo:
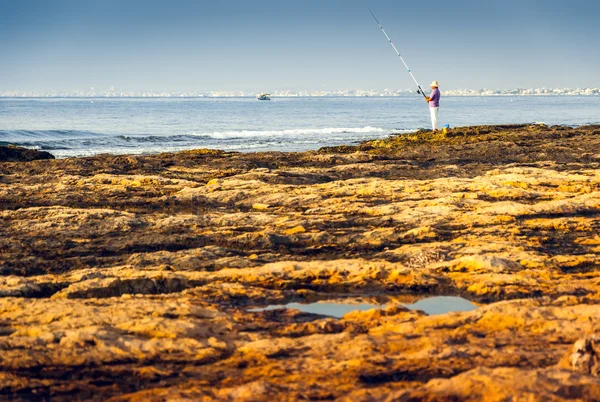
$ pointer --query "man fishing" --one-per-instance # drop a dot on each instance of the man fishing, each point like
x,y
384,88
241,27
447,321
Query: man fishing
x,y
434,98
434,104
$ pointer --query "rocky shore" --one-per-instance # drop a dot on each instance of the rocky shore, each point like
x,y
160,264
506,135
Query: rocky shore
x,y
136,278
19,154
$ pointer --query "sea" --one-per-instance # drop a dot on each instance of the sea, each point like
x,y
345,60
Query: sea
x,y
74,127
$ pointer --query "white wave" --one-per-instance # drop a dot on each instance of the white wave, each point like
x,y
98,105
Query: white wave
x,y
293,132
80,143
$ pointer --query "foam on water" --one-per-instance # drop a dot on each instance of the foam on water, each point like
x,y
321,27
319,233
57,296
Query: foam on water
x,y
299,132
34,135
83,143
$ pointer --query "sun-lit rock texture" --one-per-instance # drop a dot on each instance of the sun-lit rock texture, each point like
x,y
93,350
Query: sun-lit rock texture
x,y
131,277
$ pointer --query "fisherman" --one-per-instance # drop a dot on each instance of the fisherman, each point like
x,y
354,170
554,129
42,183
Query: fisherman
x,y
434,104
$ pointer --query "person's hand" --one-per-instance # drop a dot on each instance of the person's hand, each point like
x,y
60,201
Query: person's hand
x,y
427,99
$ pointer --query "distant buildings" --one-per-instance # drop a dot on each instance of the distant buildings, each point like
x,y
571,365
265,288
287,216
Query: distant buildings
x,y
524,91
114,93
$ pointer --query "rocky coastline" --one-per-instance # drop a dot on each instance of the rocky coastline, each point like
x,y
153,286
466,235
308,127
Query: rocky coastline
x,y
136,278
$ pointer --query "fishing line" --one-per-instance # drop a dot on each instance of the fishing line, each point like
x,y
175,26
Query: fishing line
x,y
398,53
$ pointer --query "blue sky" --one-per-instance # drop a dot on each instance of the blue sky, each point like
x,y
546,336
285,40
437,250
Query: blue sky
x,y
185,45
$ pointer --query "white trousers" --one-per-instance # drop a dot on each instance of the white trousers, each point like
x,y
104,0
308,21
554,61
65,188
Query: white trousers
x,y
434,116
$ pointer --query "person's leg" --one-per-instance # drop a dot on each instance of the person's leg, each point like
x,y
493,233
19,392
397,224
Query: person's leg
x,y
434,117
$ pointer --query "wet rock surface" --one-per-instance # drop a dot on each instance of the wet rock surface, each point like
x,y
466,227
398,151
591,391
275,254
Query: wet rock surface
x,y
18,154
132,277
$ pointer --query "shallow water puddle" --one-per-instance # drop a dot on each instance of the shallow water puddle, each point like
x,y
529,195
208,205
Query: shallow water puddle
x,y
442,305
431,306
325,308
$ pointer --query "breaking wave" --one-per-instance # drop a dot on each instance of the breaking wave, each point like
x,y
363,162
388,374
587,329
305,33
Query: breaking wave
x,y
77,143
294,132
49,135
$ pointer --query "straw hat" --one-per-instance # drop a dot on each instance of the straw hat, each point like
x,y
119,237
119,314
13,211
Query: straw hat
x,y
434,84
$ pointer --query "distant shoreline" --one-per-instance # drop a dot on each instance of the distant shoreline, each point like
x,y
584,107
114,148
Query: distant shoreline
x,y
294,97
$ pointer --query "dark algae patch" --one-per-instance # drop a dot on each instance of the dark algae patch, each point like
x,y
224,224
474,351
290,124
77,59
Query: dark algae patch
x,y
10,153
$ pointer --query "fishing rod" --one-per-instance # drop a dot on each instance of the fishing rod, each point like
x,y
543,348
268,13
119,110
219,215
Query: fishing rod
x,y
420,91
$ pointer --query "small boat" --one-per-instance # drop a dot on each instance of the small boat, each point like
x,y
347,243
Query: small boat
x,y
263,96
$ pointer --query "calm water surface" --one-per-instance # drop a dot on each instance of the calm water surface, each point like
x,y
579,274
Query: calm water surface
x,y
431,305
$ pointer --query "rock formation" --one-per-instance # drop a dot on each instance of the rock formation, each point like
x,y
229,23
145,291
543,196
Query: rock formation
x,y
139,277
19,154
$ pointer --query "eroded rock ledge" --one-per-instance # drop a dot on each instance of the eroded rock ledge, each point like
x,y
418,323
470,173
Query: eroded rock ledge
x,y
19,154
131,277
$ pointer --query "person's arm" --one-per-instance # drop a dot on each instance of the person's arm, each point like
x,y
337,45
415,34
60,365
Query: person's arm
x,y
430,98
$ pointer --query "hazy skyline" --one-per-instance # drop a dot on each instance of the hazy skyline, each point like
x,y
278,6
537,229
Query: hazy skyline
x,y
310,45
